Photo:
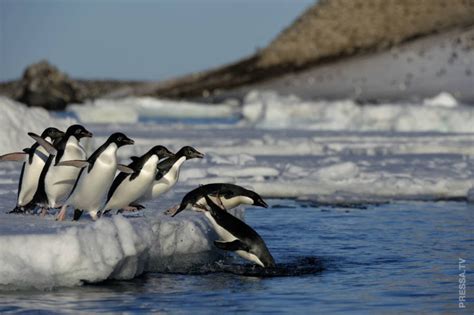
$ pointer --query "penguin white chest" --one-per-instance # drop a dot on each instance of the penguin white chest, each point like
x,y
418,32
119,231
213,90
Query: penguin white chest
x,y
93,185
130,190
31,174
60,180
223,233
161,186
228,203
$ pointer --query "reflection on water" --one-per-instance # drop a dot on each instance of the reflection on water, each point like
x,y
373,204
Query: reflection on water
x,y
390,257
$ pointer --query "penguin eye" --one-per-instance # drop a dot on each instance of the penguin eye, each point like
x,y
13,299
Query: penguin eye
x,y
119,138
77,132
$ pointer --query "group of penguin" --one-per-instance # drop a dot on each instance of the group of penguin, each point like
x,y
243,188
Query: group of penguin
x,y
57,173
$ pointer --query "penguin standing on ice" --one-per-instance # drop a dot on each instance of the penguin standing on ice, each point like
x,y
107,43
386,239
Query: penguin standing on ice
x,y
56,181
34,159
236,236
95,177
127,188
231,196
168,173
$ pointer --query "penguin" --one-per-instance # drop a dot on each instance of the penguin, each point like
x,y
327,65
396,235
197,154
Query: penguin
x,y
56,181
95,177
34,159
236,236
168,173
127,188
231,196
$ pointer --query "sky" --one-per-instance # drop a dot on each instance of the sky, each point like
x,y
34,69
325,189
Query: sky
x,y
137,39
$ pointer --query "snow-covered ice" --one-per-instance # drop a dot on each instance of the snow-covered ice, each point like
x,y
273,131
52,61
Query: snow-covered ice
x,y
282,147
17,119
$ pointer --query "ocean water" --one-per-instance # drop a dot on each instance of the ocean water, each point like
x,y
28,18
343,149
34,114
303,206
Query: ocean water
x,y
372,258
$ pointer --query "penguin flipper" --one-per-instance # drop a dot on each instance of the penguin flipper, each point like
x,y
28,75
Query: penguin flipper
x,y
125,169
14,156
45,144
75,163
232,246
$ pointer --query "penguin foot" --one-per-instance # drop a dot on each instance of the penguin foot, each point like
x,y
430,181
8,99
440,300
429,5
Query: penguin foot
x,y
43,212
130,209
62,214
17,210
137,205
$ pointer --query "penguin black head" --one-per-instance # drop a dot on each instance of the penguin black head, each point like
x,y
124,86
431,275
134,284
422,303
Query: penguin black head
x,y
120,139
257,200
78,132
190,153
161,152
52,133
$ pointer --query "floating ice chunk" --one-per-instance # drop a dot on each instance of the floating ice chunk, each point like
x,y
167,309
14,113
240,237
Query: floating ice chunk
x,y
130,109
237,159
189,173
340,171
244,171
443,99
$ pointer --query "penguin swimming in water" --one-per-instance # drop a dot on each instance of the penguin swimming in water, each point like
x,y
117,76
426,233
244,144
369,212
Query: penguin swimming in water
x,y
34,159
127,188
236,236
95,177
56,181
231,196
168,173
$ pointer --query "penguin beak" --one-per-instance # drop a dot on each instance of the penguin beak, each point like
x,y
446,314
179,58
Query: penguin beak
x,y
259,202
128,141
86,133
198,155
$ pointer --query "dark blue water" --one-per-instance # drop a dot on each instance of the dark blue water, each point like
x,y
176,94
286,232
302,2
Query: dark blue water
x,y
390,258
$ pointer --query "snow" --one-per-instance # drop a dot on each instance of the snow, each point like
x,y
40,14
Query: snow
x,y
17,120
283,147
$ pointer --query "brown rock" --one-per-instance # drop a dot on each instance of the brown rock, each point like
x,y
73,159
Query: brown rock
x,y
44,85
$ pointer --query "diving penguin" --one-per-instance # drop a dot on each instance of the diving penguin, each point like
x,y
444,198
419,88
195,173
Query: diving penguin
x,y
231,196
236,236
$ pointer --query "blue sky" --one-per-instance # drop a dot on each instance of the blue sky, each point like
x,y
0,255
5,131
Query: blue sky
x,y
125,39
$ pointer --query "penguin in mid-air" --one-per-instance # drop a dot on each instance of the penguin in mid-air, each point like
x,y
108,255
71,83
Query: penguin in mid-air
x,y
236,236
34,159
168,173
231,196
56,181
126,188
95,177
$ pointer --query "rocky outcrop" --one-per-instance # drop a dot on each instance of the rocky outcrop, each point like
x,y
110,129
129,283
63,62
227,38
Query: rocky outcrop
x,y
45,86
344,27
